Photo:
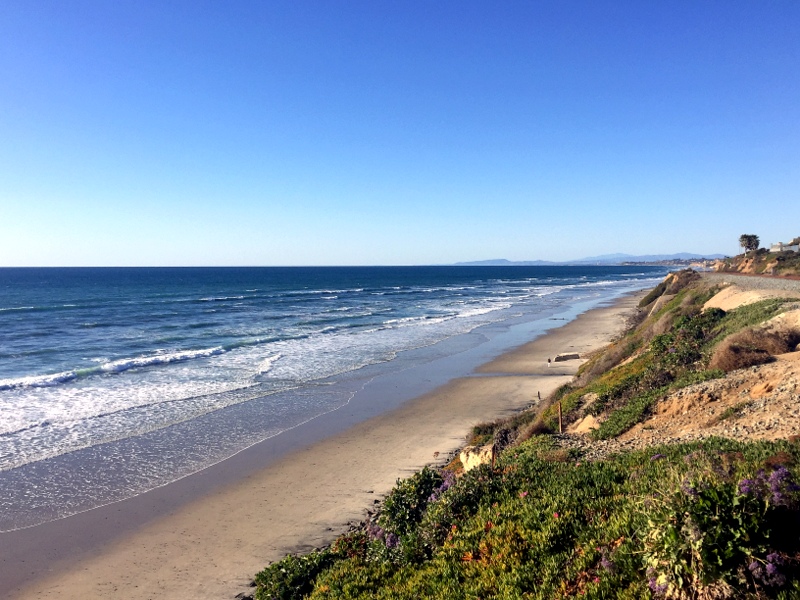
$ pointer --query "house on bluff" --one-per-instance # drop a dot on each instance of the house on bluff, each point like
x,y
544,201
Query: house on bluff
x,y
793,246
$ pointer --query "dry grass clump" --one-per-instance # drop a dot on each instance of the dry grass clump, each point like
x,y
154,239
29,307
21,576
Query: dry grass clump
x,y
561,455
751,347
680,280
537,427
663,325
505,431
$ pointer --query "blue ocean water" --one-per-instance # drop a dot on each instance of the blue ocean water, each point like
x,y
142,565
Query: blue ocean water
x,y
122,366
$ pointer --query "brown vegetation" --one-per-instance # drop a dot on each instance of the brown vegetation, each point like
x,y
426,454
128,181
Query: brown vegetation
x,y
751,347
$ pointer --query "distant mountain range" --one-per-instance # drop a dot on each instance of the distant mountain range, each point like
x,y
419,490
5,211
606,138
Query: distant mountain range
x,y
604,259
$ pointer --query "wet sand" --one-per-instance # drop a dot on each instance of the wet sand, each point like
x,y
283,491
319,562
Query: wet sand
x,y
204,537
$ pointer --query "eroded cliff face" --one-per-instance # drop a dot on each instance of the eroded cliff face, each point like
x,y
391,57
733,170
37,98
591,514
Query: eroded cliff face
x,y
759,264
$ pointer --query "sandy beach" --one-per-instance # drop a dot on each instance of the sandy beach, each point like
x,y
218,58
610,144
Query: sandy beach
x,y
196,540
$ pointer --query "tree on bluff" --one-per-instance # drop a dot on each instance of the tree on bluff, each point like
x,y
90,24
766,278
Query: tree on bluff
x,y
749,242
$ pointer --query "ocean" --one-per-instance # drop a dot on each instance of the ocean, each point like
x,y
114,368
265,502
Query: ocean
x,y
114,381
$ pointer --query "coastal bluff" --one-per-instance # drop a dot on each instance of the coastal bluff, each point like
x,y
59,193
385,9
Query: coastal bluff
x,y
696,407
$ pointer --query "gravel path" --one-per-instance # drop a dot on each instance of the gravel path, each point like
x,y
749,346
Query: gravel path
x,y
754,282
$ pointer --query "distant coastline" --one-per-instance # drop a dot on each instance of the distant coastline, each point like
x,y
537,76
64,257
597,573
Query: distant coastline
x,y
681,259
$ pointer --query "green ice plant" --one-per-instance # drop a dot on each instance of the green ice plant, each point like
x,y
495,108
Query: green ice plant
x,y
709,520
405,505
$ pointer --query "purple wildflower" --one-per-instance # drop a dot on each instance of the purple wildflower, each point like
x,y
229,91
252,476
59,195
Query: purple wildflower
x,y
768,573
754,487
777,488
655,587
375,531
689,489
392,541
777,580
448,481
778,477
776,558
607,564
756,569
780,486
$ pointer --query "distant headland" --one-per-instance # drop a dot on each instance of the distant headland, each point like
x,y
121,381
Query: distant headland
x,y
679,259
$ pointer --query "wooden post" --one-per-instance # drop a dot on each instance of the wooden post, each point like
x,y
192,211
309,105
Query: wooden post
x,y
560,428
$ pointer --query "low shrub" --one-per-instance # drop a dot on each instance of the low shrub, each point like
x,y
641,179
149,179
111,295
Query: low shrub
x,y
292,578
655,293
625,417
748,348
504,431
714,533
405,505
691,377
681,280
538,427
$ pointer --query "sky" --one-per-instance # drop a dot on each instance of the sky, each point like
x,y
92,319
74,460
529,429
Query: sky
x,y
271,132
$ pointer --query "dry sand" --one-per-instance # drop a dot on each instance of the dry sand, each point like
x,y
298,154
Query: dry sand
x,y
735,296
756,403
211,547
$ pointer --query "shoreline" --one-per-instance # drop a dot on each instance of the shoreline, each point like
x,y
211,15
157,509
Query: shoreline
x,y
206,539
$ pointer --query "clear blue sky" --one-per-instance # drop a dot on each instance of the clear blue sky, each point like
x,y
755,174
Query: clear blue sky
x,y
376,132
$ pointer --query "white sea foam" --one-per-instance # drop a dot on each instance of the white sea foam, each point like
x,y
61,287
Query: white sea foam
x,y
221,298
10,308
267,364
118,366
36,381
475,312
411,321
277,347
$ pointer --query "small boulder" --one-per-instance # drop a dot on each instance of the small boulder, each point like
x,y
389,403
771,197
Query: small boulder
x,y
475,456
563,357
585,425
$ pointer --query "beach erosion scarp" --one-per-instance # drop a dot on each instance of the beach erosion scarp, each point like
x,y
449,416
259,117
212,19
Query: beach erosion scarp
x,y
197,540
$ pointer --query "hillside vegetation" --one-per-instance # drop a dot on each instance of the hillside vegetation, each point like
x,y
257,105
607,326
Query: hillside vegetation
x,y
762,262
717,518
